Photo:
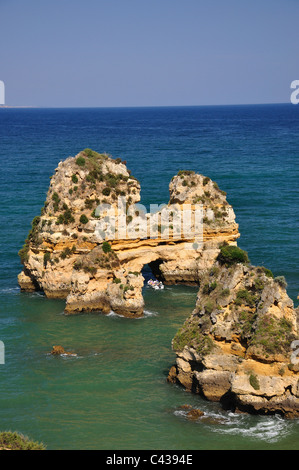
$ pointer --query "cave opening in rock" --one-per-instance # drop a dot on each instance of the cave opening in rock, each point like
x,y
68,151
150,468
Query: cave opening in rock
x,y
155,268
152,271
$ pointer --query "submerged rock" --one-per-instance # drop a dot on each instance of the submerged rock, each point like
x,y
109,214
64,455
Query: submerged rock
x,y
194,414
59,351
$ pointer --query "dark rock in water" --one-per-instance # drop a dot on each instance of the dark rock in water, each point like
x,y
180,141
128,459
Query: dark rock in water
x,y
195,414
186,407
59,351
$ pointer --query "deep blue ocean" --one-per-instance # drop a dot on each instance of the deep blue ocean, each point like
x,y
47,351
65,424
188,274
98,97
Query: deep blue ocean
x,y
114,394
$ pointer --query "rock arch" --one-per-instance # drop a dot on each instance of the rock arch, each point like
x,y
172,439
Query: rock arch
x,y
65,254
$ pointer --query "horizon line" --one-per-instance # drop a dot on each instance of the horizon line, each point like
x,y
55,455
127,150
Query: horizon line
x,y
140,106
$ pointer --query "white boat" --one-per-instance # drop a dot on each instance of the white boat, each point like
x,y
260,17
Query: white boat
x,y
155,284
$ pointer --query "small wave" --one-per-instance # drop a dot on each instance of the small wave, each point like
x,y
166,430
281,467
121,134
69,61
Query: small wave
x,y
69,355
150,313
65,355
270,429
114,314
182,293
265,428
10,290
35,294
146,313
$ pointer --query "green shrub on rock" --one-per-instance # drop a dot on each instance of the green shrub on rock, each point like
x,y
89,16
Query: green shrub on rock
x,y
191,335
47,257
83,219
106,191
65,218
245,297
80,161
273,335
106,247
23,253
281,281
231,254
15,441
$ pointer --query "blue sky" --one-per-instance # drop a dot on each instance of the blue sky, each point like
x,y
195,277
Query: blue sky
x,y
148,52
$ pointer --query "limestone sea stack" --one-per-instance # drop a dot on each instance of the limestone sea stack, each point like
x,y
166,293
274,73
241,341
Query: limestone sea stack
x,y
92,237
239,344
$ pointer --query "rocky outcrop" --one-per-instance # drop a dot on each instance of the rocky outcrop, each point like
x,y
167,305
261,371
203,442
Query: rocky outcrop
x,y
236,347
93,237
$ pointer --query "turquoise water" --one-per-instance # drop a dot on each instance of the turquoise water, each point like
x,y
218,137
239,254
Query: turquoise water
x,y
114,394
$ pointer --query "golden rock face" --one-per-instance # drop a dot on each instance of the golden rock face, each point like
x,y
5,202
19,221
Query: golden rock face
x,y
93,234
237,345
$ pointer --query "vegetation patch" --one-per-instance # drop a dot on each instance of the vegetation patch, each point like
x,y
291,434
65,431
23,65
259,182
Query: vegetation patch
x,y
266,271
273,335
66,217
56,201
186,172
230,254
258,284
47,257
209,307
281,281
106,191
23,253
83,219
66,253
80,161
191,336
108,260
245,324
32,237
92,154
106,247
209,287
254,381
15,441
244,297
225,292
